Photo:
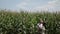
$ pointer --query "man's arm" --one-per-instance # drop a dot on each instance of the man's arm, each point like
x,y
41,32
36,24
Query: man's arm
x,y
44,24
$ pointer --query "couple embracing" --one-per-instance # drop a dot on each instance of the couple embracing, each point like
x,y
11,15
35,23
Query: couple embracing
x,y
41,27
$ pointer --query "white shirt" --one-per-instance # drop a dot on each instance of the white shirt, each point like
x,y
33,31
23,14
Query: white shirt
x,y
40,25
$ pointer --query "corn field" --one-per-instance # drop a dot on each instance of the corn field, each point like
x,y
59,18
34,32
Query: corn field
x,y
25,23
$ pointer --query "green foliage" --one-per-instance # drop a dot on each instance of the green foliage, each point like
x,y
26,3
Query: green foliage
x,y
25,23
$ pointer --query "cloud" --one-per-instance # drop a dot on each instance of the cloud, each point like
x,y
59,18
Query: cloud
x,y
26,0
50,6
21,5
54,2
24,3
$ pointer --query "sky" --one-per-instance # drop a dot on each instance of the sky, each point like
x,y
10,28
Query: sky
x,y
30,4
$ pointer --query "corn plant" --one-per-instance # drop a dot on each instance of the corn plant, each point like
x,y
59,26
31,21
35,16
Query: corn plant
x,y
25,23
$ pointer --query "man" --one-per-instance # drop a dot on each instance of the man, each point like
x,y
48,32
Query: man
x,y
41,27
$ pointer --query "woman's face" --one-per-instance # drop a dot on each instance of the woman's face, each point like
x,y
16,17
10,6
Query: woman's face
x,y
41,20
